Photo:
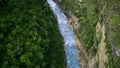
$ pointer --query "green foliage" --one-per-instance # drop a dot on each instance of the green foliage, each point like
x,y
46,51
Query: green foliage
x,y
91,12
114,60
89,15
113,34
29,35
115,23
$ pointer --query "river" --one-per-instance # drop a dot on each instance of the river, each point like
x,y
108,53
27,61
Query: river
x,y
68,35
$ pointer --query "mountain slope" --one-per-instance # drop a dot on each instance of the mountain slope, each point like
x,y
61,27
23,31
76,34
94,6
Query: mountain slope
x,y
99,46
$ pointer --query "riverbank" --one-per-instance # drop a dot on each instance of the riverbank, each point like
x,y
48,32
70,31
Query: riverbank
x,y
74,22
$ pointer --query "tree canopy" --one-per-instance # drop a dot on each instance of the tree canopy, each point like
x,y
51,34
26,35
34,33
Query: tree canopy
x,y
29,35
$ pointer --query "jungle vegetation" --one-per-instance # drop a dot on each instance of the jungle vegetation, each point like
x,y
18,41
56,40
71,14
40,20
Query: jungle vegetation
x,y
29,35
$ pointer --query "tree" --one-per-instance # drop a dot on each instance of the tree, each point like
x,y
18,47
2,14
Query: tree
x,y
27,33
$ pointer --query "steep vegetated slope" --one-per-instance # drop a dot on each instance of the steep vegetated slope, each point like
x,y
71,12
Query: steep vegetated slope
x,y
29,35
98,31
113,33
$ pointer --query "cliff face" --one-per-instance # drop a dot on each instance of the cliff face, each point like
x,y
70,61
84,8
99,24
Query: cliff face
x,y
91,21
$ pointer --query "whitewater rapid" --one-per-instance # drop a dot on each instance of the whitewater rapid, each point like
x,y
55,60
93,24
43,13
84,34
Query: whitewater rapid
x,y
68,35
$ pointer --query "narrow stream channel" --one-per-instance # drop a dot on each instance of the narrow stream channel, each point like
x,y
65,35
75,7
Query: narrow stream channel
x,y
68,35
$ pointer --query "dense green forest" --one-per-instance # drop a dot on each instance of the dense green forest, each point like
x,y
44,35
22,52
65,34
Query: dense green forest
x,y
29,35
